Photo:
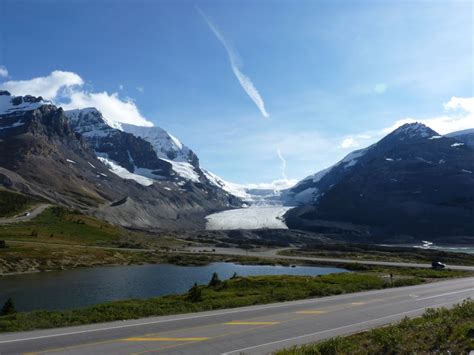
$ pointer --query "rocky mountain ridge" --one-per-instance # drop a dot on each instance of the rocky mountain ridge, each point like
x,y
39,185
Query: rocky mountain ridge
x,y
412,183
45,153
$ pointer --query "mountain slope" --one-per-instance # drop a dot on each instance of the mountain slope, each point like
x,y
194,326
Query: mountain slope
x,y
413,182
144,154
42,155
465,136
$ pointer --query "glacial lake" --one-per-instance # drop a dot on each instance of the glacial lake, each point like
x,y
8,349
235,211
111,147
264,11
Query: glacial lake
x,y
84,287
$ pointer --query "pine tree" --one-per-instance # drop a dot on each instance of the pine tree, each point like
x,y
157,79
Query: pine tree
x,y
215,280
8,308
195,293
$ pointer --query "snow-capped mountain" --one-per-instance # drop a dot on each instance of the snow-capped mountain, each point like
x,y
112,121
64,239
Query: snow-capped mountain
x,y
78,160
144,154
15,104
310,189
265,194
413,182
165,145
127,155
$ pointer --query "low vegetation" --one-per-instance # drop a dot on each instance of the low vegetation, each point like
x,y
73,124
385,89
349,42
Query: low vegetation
x,y
12,203
59,225
438,331
235,292
21,257
381,253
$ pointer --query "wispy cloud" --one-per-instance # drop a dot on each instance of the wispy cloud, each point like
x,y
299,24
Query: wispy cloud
x,y
243,79
3,71
283,164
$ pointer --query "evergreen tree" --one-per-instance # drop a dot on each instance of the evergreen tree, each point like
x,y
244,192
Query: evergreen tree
x,y
215,280
8,308
194,293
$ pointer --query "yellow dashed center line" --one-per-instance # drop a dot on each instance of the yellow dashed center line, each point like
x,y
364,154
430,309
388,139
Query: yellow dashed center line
x,y
165,339
143,338
311,312
251,323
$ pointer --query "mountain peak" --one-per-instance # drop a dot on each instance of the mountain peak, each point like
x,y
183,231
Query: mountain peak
x,y
92,116
413,130
10,104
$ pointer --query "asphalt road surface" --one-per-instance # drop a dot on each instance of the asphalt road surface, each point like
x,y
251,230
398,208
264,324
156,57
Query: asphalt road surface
x,y
248,330
273,254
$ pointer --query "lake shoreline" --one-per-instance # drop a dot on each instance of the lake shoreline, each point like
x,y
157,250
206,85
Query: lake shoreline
x,y
237,291
89,286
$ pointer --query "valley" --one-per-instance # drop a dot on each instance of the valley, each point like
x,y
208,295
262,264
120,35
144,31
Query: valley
x,y
236,177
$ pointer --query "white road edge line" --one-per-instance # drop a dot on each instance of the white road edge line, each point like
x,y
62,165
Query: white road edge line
x,y
237,310
444,294
330,330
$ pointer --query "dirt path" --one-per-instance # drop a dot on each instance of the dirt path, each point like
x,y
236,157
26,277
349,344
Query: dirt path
x,y
27,215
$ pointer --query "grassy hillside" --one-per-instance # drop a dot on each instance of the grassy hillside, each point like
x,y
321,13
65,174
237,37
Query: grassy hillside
x,y
236,292
59,225
440,331
12,203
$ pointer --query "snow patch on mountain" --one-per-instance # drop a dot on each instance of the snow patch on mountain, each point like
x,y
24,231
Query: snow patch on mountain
x,y
184,170
91,123
411,130
11,104
124,173
232,188
13,125
352,158
165,145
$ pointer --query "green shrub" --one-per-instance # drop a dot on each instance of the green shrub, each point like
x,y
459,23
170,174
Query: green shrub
x,y
438,331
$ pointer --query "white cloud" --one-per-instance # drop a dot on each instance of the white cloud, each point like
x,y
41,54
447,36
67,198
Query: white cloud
x,y
349,142
120,87
47,86
243,79
3,71
140,89
279,184
459,115
111,105
66,89
463,103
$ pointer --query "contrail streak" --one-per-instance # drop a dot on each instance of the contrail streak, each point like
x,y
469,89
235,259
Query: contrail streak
x,y
244,80
283,164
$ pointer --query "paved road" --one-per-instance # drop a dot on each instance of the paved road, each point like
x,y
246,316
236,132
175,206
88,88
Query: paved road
x,y
80,246
273,254
248,330
27,215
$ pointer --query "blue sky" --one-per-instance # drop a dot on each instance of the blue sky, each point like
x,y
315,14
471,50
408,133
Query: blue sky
x,y
333,75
